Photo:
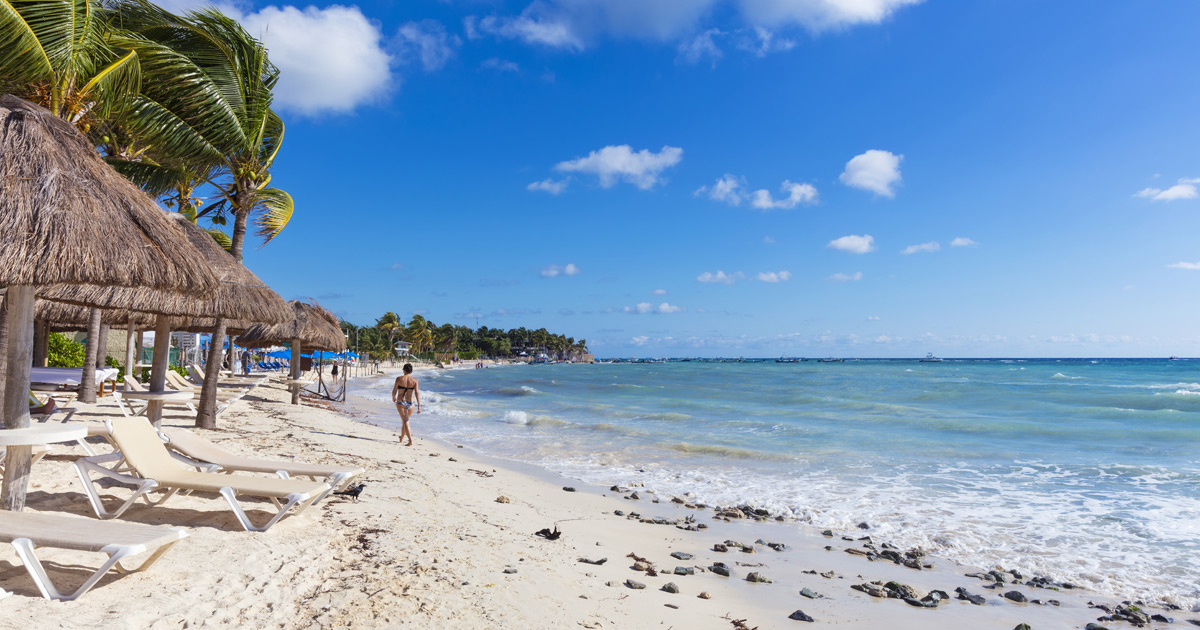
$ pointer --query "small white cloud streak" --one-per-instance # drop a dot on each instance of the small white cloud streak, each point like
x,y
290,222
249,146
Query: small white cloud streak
x,y
775,276
529,28
854,244
644,308
796,195
1185,189
876,171
720,277
500,65
1185,265
962,241
659,292
700,47
549,185
728,190
553,271
620,163
930,247
429,41
841,277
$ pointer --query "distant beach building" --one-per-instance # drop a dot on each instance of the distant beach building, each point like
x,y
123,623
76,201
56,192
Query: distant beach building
x,y
402,348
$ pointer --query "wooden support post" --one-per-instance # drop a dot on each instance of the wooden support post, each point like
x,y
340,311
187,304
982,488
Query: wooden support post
x,y
41,343
131,345
19,359
140,348
158,367
102,347
295,371
87,386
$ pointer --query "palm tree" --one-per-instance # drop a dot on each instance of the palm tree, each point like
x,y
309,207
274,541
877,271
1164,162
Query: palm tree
x,y
390,323
67,56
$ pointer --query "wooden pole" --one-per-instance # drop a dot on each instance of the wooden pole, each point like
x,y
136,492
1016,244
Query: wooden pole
x,y
158,368
41,343
131,344
87,386
295,371
19,360
102,347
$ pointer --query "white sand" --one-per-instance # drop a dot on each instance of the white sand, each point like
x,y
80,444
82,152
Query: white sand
x,y
427,546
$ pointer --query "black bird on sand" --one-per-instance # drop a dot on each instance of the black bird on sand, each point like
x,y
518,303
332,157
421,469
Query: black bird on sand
x,y
352,492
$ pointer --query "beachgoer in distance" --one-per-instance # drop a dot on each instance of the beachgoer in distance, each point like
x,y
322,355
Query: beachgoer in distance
x,y
406,395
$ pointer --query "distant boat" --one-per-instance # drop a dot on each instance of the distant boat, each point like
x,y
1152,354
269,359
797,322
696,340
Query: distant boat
x,y
929,358
788,360
1174,359
831,360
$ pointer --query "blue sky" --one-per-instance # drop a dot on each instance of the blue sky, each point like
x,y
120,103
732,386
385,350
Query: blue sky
x,y
745,177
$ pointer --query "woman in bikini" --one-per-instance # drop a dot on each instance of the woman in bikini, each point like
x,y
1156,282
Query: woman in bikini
x,y
405,395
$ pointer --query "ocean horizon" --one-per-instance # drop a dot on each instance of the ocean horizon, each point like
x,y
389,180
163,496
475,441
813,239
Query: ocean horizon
x,y
1086,471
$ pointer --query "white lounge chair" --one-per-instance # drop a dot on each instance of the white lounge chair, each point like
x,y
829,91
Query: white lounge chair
x,y
135,386
27,531
199,449
146,456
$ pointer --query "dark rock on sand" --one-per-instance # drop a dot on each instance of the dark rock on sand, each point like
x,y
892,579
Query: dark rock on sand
x,y
864,525
590,561
719,547
1161,619
510,570
920,603
755,576
633,496
963,593
679,555
1016,596
809,593
800,616
619,512
684,571
1095,626
897,590
719,569
670,587
1022,626
568,489
635,585
704,595
870,589
827,533
641,565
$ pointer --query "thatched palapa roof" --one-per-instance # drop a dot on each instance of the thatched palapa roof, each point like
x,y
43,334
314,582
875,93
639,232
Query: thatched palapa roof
x,y
313,326
66,217
62,317
241,294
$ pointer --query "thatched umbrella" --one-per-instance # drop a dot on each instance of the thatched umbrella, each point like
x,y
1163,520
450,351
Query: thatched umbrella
x,y
240,294
312,328
67,218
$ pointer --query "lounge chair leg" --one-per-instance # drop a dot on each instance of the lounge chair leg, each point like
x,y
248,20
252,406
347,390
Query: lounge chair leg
x,y
144,486
292,499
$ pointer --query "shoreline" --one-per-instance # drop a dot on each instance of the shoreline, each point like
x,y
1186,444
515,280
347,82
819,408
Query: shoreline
x,y
429,545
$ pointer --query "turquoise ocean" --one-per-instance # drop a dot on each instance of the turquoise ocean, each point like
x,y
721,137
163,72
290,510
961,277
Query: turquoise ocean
x,y
1083,470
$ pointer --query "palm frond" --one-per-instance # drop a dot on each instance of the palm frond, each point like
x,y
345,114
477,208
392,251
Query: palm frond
x,y
24,59
275,209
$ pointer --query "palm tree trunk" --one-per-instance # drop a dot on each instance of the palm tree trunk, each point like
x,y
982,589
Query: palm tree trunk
x,y
3,349
295,371
87,384
206,415
238,238
41,343
102,347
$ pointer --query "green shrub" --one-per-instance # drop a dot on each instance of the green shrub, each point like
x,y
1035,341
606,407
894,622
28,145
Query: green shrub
x,y
63,352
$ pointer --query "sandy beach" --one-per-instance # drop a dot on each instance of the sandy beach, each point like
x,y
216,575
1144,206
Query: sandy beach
x,y
443,537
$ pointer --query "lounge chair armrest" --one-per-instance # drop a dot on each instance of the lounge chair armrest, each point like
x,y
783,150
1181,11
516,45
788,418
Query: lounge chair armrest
x,y
93,464
198,465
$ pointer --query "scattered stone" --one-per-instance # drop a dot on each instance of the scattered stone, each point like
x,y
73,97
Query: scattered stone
x,y
635,585
776,546
963,593
809,593
719,569
828,575
864,525
1161,619
1022,626
1045,602
719,547
503,499
1016,596
684,571
633,496
1095,626
590,561
671,606
641,565
568,489
855,551
679,555
611,583
827,533
800,616
670,587
619,512
451,459
897,590
704,595
870,589
510,570
677,500
616,489
757,577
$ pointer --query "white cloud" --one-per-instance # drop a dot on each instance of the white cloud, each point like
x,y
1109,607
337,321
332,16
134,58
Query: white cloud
x,y
1185,265
640,340
646,307
1185,189
876,171
796,195
552,271
427,40
530,27
820,15
962,241
574,24
775,276
841,277
728,189
699,47
500,65
348,69
872,318
854,244
931,246
764,42
720,277
615,163
550,185
659,292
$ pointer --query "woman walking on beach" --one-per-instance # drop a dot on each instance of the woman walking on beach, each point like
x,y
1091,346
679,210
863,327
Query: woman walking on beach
x,y
404,393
